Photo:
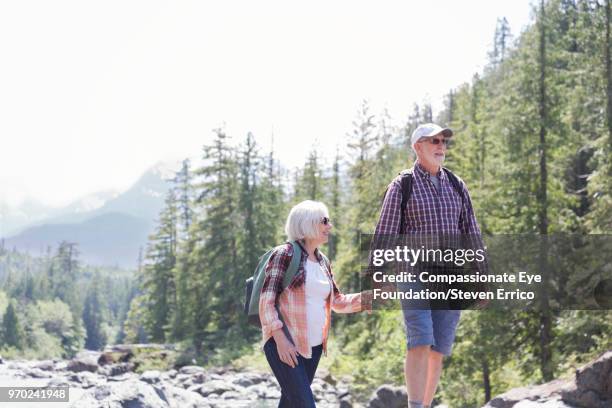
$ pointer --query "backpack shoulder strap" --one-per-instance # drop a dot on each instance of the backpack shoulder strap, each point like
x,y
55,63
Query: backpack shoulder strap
x,y
294,265
406,183
455,182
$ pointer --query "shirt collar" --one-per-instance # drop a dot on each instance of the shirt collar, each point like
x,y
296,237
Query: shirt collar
x,y
302,245
419,170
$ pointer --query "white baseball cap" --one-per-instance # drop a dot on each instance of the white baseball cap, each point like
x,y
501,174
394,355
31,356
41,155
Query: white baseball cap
x,y
429,130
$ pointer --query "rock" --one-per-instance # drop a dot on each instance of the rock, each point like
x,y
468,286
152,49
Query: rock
x,y
125,394
180,398
121,377
538,393
326,376
191,370
150,377
46,365
116,369
593,384
388,396
248,379
84,361
591,388
37,373
265,392
86,379
61,365
215,387
58,382
345,403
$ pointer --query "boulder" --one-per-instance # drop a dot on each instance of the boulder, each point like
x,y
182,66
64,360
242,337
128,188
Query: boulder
x,y
191,370
129,393
84,361
593,384
591,387
151,377
215,387
46,365
389,396
537,393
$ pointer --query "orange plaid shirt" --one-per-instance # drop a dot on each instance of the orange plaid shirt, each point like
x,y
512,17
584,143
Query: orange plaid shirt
x,y
292,301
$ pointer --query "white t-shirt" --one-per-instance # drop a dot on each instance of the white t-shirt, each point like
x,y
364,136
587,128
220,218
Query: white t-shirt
x,y
318,289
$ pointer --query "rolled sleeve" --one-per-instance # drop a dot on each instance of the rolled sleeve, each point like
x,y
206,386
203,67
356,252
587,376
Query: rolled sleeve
x,y
345,303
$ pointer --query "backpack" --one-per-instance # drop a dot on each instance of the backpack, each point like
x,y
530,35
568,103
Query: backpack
x,y
406,183
254,284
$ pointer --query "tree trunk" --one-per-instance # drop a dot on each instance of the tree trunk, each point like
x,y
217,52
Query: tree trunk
x,y
486,380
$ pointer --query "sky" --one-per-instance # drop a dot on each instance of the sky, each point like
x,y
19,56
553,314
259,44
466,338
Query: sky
x,y
94,93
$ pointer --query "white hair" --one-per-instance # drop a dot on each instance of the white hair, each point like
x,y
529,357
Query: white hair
x,y
304,219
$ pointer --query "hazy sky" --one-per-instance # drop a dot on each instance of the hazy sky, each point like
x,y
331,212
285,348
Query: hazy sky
x,y
93,93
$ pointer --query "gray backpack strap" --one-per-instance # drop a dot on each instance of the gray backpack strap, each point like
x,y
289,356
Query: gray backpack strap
x,y
454,180
406,183
294,265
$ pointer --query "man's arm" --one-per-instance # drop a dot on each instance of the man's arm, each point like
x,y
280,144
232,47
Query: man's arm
x,y
469,226
467,220
388,225
390,213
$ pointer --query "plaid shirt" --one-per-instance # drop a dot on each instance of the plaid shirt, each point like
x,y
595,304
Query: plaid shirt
x,y
428,211
291,302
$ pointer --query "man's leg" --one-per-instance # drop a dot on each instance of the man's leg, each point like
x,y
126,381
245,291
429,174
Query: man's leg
x,y
415,372
419,340
434,369
444,327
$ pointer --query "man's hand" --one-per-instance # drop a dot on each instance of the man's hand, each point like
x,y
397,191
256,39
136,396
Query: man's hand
x,y
286,350
366,301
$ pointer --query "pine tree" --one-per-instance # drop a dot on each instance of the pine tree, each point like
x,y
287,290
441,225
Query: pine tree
x,y
13,334
334,197
63,273
158,279
93,316
212,267
182,185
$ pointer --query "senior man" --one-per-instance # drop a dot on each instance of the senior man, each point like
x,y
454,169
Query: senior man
x,y
438,203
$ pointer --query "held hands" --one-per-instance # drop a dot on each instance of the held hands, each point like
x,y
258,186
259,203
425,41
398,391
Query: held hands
x,y
286,350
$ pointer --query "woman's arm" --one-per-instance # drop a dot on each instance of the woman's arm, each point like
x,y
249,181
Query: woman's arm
x,y
346,303
268,315
272,287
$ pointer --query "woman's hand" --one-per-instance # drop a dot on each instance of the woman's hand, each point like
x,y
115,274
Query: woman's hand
x,y
286,350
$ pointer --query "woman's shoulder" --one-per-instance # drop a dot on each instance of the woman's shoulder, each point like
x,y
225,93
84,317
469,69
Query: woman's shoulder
x,y
285,249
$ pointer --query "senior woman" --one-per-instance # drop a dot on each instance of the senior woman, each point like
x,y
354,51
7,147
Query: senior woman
x,y
295,321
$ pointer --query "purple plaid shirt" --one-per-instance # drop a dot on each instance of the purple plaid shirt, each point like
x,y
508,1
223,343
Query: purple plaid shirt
x,y
429,210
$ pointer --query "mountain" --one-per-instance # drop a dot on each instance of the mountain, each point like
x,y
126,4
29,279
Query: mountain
x,y
15,218
108,239
109,227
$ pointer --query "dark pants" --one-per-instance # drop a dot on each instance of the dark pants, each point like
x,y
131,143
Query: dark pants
x,y
294,382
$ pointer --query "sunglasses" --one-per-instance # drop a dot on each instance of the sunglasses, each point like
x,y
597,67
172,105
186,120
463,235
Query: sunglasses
x,y
325,220
436,141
